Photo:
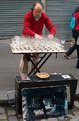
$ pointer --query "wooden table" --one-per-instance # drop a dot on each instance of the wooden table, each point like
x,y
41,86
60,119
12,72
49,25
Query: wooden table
x,y
29,46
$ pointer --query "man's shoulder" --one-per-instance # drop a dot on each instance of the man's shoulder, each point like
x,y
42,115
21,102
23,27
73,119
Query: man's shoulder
x,y
76,14
28,13
44,15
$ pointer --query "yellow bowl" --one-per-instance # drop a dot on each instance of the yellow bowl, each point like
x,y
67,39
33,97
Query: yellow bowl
x,y
42,75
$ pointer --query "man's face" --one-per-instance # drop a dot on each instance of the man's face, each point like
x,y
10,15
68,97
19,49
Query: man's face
x,y
37,11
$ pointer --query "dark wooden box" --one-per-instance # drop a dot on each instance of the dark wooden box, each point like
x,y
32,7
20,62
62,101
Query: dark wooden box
x,y
53,80
49,101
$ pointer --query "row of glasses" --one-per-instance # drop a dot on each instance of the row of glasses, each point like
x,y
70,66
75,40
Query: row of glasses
x,y
20,42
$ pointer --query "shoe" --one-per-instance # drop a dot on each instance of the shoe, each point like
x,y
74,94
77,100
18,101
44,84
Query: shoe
x,y
67,57
24,76
77,66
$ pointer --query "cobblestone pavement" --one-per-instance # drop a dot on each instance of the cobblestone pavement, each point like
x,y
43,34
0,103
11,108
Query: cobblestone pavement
x,y
8,113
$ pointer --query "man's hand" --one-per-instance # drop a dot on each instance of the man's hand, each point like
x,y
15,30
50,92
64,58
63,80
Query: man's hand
x,y
50,36
38,36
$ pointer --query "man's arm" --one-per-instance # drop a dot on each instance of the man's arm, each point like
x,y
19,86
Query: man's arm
x,y
26,27
49,25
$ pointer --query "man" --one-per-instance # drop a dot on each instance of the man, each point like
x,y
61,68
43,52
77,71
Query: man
x,y
34,21
74,26
75,34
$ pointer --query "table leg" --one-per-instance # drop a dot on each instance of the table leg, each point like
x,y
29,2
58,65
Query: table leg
x,y
44,61
35,66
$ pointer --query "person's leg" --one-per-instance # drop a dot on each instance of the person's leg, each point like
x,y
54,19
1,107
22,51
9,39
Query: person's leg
x,y
75,34
35,60
71,50
77,66
23,67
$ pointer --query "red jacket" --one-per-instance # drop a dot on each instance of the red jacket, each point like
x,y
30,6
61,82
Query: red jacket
x,y
31,26
76,15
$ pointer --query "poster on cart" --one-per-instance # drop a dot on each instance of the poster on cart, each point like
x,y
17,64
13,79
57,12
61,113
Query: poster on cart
x,y
43,103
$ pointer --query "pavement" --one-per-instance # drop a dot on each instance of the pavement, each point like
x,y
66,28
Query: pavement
x,y
8,113
9,64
